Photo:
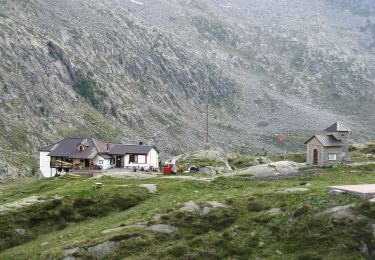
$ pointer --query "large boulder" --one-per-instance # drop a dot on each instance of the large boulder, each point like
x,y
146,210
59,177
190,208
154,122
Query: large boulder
x,y
217,156
190,206
275,169
103,249
212,154
339,212
150,187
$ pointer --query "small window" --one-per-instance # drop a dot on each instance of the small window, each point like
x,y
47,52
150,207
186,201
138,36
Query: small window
x,y
332,157
101,161
133,158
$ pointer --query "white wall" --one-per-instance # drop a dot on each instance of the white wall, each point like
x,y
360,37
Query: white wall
x,y
106,162
152,160
45,165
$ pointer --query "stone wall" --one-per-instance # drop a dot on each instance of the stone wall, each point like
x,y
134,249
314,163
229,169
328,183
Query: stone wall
x,y
331,150
311,146
343,137
323,153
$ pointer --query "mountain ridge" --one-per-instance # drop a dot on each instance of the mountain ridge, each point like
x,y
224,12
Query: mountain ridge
x,y
122,71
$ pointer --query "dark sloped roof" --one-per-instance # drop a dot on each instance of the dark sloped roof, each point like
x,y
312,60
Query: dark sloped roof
x,y
46,148
101,146
122,149
105,156
69,148
327,140
338,127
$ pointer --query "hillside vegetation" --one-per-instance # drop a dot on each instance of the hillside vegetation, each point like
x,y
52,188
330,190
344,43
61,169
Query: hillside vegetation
x,y
144,70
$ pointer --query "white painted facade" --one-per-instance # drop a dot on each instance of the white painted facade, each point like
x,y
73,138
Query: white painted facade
x,y
151,159
48,172
101,158
104,163
45,165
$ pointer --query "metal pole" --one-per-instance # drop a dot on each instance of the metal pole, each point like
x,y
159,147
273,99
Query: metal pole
x,y
207,110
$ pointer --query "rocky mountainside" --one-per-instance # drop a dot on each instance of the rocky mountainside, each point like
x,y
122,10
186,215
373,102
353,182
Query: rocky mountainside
x,y
126,70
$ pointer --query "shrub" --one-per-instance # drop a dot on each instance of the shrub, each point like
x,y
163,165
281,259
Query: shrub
x,y
258,206
367,209
114,111
89,89
241,162
303,210
178,250
52,204
369,149
83,202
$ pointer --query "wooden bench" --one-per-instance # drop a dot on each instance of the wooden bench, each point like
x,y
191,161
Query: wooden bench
x,y
73,176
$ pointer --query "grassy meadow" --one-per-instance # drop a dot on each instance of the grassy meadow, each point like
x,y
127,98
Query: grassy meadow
x,y
243,231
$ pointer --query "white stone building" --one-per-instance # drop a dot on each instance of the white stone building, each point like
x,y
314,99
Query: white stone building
x,y
75,154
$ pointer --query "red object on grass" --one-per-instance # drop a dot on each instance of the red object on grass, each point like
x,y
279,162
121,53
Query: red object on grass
x,y
168,169
281,139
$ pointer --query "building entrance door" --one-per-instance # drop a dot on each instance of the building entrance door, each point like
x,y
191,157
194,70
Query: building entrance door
x,y
315,157
118,161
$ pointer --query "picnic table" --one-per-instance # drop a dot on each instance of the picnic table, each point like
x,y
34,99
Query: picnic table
x,y
98,186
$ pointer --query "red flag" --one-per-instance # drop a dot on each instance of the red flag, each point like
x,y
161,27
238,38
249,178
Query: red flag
x,y
281,139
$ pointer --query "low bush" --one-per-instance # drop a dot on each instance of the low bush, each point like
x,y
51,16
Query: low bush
x,y
258,206
370,149
196,223
242,162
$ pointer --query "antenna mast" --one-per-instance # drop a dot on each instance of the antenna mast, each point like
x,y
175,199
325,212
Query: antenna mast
x,y
207,110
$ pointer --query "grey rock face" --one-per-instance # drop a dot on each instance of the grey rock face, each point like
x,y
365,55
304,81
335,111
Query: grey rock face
x,y
162,228
99,251
190,206
216,204
104,249
75,250
275,212
20,231
263,74
150,187
296,189
339,212
282,168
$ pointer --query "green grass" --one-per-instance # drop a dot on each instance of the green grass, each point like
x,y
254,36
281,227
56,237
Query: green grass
x,y
245,231
241,162
56,214
294,157
362,155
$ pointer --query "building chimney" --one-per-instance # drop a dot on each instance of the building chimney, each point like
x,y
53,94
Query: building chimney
x,y
140,143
